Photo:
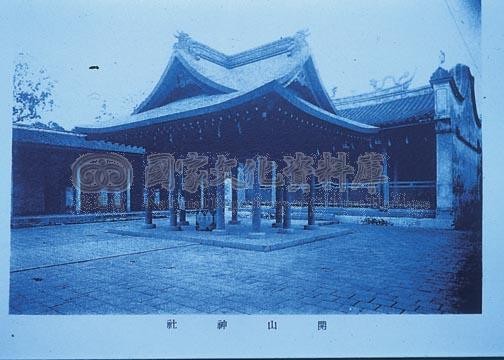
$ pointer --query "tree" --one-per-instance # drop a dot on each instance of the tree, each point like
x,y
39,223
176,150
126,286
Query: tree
x,y
33,93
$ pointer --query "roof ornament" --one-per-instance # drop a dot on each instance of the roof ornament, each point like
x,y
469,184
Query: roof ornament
x,y
442,57
298,41
302,34
185,42
403,82
183,38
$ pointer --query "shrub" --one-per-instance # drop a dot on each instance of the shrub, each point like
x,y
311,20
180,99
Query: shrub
x,y
375,221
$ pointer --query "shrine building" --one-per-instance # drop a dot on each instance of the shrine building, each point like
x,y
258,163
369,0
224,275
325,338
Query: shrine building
x,y
268,103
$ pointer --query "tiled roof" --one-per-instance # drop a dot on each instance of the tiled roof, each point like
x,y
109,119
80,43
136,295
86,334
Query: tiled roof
x,y
248,69
177,107
200,80
388,109
196,69
67,139
194,106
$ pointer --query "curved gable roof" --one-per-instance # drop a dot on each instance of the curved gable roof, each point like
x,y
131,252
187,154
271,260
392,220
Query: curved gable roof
x,y
212,72
177,76
204,104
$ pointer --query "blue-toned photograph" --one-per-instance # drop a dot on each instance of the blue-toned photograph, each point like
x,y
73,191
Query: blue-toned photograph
x,y
247,158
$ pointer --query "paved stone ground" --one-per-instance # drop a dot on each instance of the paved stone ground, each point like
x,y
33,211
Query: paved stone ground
x,y
81,269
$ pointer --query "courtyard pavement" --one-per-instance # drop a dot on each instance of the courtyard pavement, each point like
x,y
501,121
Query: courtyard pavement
x,y
85,269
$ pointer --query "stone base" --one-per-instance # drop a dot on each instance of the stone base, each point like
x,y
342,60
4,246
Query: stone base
x,y
148,226
199,228
234,222
174,228
256,235
286,231
262,242
311,227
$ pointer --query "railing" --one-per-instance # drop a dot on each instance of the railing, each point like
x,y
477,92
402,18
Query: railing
x,y
413,184
420,195
401,194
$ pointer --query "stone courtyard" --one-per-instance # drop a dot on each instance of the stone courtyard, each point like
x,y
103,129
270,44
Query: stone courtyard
x,y
95,269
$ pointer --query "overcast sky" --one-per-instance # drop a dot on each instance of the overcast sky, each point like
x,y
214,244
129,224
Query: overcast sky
x,y
351,42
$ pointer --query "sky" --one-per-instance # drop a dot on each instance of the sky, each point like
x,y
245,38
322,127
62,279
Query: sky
x,y
351,42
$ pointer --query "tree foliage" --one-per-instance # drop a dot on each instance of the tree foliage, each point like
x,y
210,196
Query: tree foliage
x,y
33,93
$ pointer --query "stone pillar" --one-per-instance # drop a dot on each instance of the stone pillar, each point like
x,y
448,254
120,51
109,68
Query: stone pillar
x,y
445,96
444,169
212,202
148,200
202,195
182,205
110,202
278,192
202,223
128,194
220,222
256,205
174,205
278,205
234,199
287,198
273,180
311,205
78,193
182,212
386,185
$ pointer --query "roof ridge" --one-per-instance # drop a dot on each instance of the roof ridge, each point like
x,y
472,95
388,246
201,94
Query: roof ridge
x,y
381,96
31,128
127,146
70,138
289,45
